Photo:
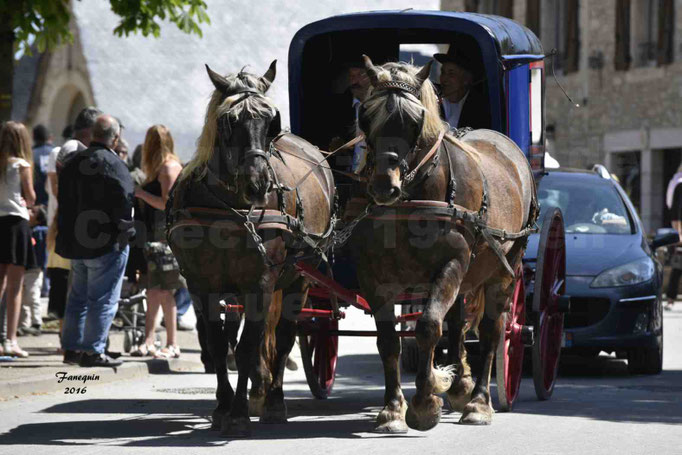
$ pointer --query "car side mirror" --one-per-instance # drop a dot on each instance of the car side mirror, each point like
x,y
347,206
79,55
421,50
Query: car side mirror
x,y
666,239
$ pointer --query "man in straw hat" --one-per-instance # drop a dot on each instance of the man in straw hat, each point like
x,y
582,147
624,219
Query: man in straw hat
x,y
461,104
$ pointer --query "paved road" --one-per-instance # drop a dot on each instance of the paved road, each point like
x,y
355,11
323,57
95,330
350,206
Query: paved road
x,y
596,408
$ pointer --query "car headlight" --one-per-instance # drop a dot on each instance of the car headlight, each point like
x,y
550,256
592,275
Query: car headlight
x,y
634,272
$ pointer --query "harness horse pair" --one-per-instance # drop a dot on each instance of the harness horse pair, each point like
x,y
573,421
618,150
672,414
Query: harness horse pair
x,y
255,203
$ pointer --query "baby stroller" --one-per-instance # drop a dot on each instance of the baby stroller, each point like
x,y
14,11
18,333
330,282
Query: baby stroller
x,y
131,315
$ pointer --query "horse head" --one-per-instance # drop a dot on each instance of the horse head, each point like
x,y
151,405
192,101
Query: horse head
x,y
398,118
240,123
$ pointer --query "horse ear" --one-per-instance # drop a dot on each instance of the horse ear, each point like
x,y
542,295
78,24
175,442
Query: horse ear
x,y
423,73
219,82
372,71
269,76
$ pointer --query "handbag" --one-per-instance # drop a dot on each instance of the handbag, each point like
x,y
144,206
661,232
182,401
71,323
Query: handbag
x,y
159,256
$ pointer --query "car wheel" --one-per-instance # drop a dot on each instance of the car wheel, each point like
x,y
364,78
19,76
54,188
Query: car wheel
x,y
647,360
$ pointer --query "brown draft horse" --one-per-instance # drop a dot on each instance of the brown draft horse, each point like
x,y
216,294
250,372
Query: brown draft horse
x,y
251,202
435,195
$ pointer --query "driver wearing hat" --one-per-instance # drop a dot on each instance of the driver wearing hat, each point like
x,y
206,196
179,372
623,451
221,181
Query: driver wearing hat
x,y
461,105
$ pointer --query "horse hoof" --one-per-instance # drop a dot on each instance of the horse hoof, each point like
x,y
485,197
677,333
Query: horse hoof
x,y
217,419
391,419
392,427
256,405
459,394
458,402
477,414
275,414
236,427
426,416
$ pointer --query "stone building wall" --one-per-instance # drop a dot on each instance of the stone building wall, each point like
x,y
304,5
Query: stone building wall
x,y
638,110
61,88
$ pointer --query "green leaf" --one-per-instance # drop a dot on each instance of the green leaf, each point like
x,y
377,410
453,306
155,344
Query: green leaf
x,y
47,21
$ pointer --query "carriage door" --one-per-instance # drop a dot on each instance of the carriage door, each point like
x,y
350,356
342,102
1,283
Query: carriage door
x,y
525,110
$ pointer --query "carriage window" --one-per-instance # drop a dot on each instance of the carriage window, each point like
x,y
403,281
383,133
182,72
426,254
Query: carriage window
x,y
536,105
420,54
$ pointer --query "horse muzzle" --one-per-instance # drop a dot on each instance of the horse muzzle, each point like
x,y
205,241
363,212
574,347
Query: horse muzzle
x,y
385,188
385,194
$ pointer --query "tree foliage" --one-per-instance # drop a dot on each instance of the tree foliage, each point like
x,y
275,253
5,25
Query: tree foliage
x,y
46,22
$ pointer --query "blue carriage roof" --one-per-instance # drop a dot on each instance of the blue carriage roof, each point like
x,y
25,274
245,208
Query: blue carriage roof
x,y
509,37
503,45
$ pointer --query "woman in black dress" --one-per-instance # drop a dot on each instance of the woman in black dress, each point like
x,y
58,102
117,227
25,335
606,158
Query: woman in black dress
x,y
162,167
16,246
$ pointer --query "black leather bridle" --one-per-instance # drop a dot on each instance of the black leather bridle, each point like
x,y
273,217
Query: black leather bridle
x,y
273,131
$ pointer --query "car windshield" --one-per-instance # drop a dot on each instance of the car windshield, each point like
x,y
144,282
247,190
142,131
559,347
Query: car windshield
x,y
589,206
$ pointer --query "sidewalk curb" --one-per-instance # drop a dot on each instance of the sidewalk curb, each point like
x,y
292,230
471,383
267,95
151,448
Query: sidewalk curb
x,y
46,383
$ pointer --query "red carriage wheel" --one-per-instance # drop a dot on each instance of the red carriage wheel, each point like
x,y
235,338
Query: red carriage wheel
x,y
319,353
510,349
550,283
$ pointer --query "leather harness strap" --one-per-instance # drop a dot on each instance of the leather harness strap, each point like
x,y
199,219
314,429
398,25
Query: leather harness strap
x,y
474,223
436,146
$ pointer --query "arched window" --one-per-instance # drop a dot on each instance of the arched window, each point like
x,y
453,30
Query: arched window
x,y
68,102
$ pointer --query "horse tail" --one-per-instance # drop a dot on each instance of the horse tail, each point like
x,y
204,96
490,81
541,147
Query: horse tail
x,y
271,321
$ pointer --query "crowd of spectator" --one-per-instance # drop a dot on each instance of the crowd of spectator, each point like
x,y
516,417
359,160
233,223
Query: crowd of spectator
x,y
68,218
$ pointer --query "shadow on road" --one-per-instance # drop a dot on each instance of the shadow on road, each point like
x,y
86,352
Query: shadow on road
x,y
177,431
184,422
598,388
601,388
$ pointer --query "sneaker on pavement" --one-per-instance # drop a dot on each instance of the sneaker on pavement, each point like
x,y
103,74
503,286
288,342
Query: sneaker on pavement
x,y
32,331
185,325
72,357
98,360
187,321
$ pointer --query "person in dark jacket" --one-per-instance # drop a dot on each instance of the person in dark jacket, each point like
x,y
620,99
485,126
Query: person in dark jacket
x,y
462,101
95,225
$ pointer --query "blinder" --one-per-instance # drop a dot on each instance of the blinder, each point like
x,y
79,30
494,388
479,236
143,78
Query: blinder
x,y
274,128
275,125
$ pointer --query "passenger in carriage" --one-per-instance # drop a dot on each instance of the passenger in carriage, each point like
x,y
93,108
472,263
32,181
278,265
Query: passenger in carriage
x,y
461,97
346,109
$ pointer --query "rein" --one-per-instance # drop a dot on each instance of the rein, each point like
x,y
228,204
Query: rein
x,y
348,144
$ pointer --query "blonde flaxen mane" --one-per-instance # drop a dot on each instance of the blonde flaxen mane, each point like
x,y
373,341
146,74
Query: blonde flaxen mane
x,y
408,104
219,105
